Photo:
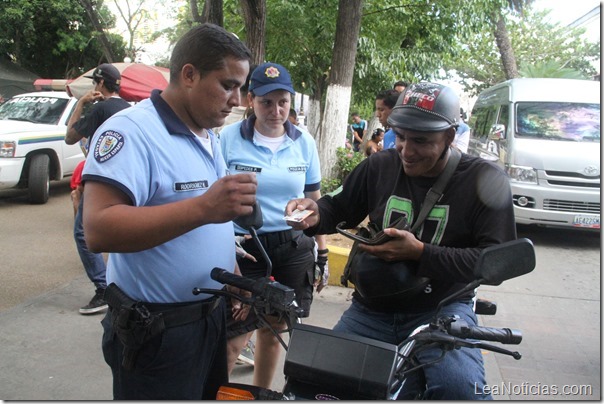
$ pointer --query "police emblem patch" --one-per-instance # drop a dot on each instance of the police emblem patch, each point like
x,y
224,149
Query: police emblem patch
x,y
108,145
272,72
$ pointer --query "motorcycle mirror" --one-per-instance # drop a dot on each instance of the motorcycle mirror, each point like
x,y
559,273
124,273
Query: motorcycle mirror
x,y
253,220
496,264
504,261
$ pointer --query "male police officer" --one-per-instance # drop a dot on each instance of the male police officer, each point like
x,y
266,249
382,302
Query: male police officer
x,y
159,200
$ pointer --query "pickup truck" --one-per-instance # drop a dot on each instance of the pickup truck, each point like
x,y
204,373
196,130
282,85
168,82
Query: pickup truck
x,y
33,151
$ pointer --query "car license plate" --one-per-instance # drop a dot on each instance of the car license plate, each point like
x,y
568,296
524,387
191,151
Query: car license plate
x,y
588,221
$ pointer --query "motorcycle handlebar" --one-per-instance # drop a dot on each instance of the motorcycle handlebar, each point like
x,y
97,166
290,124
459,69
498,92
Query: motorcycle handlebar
x,y
504,335
241,282
280,297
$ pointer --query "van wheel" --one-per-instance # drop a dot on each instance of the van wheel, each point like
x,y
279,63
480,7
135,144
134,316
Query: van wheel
x,y
38,182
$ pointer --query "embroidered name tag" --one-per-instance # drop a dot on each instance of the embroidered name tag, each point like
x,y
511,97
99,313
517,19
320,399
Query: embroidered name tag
x,y
300,169
190,186
248,169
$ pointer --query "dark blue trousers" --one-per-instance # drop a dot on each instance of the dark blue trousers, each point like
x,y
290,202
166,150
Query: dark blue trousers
x,y
187,362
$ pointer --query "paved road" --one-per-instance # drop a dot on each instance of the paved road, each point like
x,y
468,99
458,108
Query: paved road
x,y
50,352
37,244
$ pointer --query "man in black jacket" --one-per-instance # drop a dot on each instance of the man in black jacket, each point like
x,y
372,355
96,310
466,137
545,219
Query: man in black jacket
x,y
474,212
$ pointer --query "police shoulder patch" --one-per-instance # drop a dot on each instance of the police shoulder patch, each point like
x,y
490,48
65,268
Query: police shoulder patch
x,y
109,144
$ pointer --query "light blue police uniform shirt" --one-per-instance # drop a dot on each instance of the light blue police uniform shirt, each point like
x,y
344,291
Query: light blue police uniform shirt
x,y
149,154
389,140
293,169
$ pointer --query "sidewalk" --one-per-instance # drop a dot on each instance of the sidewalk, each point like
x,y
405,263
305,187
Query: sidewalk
x,y
49,351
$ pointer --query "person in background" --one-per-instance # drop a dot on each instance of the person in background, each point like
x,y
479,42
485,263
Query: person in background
x,y
105,102
462,134
384,102
293,117
474,212
158,198
77,189
286,161
358,130
374,144
400,86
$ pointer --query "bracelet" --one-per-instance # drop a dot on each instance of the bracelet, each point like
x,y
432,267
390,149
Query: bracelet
x,y
322,252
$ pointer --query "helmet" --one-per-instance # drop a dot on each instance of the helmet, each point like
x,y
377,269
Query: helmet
x,y
426,107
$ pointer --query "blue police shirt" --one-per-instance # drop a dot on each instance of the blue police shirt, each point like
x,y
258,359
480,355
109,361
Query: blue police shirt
x,y
389,140
147,152
284,175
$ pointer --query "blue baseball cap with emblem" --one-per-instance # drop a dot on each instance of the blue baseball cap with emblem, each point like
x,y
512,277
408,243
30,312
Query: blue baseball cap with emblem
x,y
269,77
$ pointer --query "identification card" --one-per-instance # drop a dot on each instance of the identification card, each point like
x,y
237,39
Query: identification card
x,y
298,215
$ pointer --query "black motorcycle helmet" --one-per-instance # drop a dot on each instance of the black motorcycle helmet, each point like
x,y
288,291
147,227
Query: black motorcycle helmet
x,y
426,107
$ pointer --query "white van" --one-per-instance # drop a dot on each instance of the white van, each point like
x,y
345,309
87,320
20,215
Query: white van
x,y
545,133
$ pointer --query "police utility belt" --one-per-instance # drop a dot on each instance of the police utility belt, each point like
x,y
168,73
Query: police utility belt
x,y
136,322
276,239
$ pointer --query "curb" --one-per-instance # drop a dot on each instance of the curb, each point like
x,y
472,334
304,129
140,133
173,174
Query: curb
x,y
338,256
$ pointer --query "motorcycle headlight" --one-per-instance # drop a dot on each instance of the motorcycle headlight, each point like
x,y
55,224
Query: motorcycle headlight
x,y
7,149
527,175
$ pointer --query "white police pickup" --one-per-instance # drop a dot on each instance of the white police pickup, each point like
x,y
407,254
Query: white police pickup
x,y
32,142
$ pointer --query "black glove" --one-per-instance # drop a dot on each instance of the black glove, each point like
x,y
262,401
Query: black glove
x,y
321,272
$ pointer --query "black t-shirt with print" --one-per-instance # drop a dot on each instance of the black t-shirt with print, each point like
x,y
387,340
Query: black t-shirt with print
x,y
475,211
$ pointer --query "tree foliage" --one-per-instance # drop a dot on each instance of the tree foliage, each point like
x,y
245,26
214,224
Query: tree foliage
x,y
551,69
300,36
409,40
53,38
539,46
133,13
412,40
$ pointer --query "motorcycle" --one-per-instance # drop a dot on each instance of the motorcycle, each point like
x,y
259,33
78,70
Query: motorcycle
x,y
322,364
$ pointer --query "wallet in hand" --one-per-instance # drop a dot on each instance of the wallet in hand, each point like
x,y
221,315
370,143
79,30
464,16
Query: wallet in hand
x,y
367,235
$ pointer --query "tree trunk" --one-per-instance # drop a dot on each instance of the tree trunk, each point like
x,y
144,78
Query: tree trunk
x,y
195,16
254,16
372,124
333,128
508,60
313,114
212,12
132,12
94,19
315,108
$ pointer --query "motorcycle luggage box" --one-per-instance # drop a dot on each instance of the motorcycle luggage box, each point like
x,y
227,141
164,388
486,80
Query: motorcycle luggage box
x,y
361,366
